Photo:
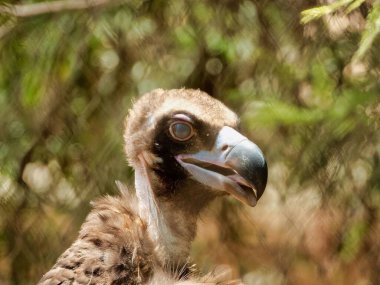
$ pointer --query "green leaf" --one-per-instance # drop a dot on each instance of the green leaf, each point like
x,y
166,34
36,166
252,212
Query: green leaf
x,y
353,240
370,33
318,12
354,5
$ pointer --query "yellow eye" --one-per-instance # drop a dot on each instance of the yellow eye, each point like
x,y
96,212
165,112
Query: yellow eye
x,y
181,131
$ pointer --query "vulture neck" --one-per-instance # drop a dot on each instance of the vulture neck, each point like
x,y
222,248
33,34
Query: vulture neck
x,y
171,221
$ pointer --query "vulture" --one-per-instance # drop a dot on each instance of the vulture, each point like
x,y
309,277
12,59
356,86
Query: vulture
x,y
186,150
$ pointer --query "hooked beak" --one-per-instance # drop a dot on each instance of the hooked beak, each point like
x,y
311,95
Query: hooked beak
x,y
234,165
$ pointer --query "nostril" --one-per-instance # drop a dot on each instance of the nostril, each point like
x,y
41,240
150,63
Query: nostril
x,y
224,147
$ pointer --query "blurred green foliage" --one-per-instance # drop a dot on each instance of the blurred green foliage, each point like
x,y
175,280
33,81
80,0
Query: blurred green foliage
x,y
308,94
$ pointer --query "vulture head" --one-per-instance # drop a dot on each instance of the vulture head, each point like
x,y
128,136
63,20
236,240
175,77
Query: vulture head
x,y
186,150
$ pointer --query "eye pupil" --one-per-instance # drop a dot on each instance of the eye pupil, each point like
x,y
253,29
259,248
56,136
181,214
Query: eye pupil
x,y
181,131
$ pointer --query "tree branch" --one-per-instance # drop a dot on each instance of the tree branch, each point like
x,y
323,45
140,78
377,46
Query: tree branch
x,y
30,10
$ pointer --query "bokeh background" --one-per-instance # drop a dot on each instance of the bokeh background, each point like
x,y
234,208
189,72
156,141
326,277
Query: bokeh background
x,y
303,75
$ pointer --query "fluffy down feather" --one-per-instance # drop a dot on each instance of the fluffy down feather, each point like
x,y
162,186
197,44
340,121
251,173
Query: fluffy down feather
x,y
114,248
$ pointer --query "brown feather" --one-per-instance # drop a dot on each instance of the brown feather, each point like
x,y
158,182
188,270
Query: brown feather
x,y
113,248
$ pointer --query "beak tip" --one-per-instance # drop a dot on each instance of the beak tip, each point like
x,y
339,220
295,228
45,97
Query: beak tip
x,y
253,167
252,203
263,181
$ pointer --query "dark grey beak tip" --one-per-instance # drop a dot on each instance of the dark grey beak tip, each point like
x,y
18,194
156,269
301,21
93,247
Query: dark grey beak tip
x,y
247,160
261,183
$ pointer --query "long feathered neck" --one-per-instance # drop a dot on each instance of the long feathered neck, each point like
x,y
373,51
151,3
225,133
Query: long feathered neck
x,y
170,226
